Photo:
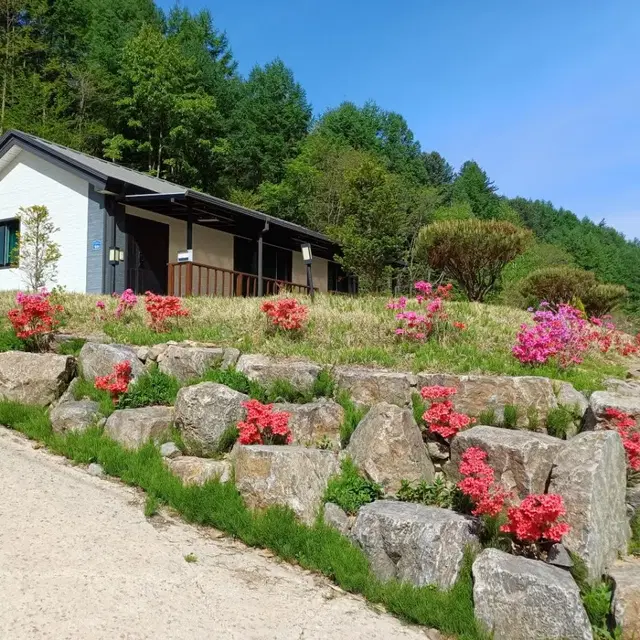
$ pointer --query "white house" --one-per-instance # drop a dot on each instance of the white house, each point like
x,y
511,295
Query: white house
x,y
123,229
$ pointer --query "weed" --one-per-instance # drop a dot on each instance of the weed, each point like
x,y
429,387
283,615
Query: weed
x,y
151,505
191,557
634,543
10,342
319,548
324,443
533,418
488,417
419,406
324,385
558,422
71,347
86,389
227,439
350,490
510,416
151,388
438,493
352,417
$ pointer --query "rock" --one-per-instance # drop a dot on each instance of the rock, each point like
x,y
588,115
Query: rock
x,y
97,359
623,387
633,497
189,363
626,597
94,469
476,394
371,386
522,460
70,394
412,542
559,556
568,396
203,413
133,428
600,401
301,374
290,476
590,473
143,353
335,517
438,452
170,450
314,422
519,599
154,352
74,416
34,378
193,470
387,446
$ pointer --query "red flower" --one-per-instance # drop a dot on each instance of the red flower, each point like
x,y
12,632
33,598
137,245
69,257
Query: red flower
x,y
161,308
263,425
35,318
117,382
535,519
286,313
623,423
478,483
440,418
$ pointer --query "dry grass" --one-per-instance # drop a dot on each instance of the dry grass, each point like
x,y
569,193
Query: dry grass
x,y
342,330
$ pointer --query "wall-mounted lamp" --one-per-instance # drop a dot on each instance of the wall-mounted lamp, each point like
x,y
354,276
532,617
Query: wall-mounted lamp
x,y
116,256
307,258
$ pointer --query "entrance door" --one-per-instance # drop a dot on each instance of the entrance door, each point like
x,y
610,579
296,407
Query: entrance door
x,y
147,254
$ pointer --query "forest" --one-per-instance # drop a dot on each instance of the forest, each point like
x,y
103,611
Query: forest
x,y
161,93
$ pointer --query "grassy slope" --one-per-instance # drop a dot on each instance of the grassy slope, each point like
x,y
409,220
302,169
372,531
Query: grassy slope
x,y
345,330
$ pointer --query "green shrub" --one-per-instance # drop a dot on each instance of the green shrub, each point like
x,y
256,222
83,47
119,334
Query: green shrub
x,y
556,285
350,490
603,298
488,417
558,422
510,416
151,388
472,252
10,342
438,493
352,417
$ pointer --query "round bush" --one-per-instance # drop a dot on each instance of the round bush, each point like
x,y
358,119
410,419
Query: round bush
x,y
557,285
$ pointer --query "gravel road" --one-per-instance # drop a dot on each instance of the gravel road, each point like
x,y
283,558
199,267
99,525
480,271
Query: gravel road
x,y
79,561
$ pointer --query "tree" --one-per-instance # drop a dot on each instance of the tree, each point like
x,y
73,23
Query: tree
x,y
439,172
472,252
472,185
36,253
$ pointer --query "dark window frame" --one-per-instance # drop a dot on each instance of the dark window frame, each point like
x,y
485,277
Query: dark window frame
x,y
9,229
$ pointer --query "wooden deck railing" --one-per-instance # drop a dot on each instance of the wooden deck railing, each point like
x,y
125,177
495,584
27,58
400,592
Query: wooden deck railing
x,y
197,279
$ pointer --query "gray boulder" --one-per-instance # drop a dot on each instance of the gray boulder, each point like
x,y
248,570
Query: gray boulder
x,y
133,428
197,471
623,387
170,450
34,378
633,497
590,474
95,469
520,599
478,393
97,359
203,412
522,460
626,597
74,416
600,401
412,542
370,386
187,363
290,476
337,518
301,374
314,422
387,446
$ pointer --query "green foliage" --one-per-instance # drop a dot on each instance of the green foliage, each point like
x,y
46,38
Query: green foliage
x,y
324,385
352,417
318,548
419,406
634,543
230,377
151,505
556,285
603,298
472,185
533,418
10,342
227,440
438,493
71,347
510,417
350,490
558,421
151,388
488,417
86,389
472,252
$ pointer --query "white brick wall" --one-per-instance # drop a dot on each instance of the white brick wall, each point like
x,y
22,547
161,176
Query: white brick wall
x,y
30,180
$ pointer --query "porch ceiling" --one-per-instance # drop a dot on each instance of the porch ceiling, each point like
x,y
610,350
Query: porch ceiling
x,y
225,216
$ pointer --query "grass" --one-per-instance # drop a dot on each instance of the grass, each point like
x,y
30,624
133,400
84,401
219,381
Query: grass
x,y
350,489
558,422
318,548
634,543
71,347
344,330
352,416
151,505
85,389
153,387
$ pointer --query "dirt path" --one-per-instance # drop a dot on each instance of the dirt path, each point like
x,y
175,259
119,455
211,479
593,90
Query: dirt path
x,y
79,560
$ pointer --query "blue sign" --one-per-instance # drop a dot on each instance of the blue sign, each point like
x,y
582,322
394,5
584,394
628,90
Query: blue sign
x,y
96,245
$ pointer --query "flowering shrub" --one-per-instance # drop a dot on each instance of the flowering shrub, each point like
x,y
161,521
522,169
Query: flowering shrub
x,y
478,483
35,318
264,425
608,338
286,313
440,418
419,326
534,520
161,309
127,301
623,423
117,382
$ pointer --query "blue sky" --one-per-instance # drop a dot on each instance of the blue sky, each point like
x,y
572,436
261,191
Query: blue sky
x,y
544,95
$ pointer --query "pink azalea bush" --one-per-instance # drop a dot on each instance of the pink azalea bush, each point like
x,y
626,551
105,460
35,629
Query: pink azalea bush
x,y
126,303
440,417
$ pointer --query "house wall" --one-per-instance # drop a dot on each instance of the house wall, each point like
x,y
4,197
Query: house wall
x,y
319,269
29,180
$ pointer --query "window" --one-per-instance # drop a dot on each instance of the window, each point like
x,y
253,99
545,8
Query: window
x,y
8,241
339,281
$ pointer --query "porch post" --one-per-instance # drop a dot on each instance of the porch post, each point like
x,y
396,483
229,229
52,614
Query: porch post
x,y
260,277
189,228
